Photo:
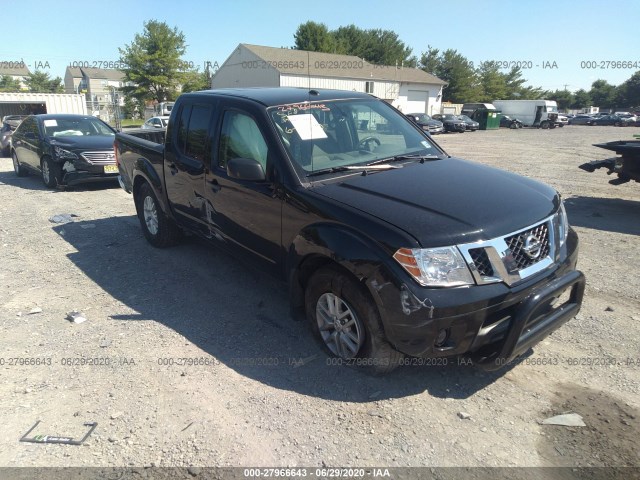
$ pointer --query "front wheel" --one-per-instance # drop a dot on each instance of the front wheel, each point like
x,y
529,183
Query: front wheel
x,y
159,230
544,125
51,172
347,321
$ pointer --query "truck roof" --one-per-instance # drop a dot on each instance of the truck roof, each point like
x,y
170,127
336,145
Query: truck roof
x,y
283,95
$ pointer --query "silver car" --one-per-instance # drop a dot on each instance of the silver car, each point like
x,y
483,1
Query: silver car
x,y
157,122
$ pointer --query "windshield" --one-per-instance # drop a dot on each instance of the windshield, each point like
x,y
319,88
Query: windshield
x,y
421,117
81,126
465,118
552,108
339,133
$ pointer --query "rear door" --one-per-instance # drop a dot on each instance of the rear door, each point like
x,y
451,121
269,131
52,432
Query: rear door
x,y
245,215
187,156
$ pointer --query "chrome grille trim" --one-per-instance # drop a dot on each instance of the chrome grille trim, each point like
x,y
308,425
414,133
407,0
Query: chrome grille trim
x,y
105,157
504,259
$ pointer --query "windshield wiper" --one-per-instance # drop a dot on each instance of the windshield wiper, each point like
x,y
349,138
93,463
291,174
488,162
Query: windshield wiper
x,y
397,158
344,168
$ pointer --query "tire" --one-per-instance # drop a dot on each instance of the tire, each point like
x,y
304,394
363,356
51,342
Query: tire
x,y
544,125
513,125
19,169
51,172
617,124
159,230
361,340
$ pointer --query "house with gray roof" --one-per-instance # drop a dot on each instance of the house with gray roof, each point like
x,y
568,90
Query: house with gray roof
x,y
16,70
409,89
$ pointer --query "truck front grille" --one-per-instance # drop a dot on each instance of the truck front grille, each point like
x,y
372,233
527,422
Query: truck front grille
x,y
481,261
514,257
518,244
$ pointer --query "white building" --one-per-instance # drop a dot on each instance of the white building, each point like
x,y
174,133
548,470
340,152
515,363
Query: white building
x,y
409,89
24,103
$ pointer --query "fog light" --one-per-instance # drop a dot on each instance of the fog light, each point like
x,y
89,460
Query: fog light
x,y
442,337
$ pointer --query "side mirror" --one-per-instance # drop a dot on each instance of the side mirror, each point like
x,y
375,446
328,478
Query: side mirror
x,y
245,169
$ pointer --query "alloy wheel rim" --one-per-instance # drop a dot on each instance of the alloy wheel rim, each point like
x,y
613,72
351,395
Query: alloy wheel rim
x,y
340,328
150,215
45,171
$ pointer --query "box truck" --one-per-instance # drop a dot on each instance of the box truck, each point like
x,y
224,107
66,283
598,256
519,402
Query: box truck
x,y
532,113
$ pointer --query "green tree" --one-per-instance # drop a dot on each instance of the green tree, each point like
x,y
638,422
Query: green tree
x,y
314,37
628,93
381,47
563,98
40,82
9,84
154,62
516,88
581,99
493,82
602,93
456,70
196,81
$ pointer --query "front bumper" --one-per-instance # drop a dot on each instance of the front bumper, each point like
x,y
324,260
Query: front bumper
x,y
81,171
491,323
73,178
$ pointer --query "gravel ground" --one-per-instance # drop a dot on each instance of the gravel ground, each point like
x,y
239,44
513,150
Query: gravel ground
x,y
255,388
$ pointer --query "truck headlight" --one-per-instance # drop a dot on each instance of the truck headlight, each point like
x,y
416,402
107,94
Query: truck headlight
x,y
563,224
435,267
64,154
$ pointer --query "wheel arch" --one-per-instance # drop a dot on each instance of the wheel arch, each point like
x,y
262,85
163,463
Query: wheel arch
x,y
339,246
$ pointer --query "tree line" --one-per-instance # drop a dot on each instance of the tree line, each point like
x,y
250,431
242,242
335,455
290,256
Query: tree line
x,y
466,82
37,82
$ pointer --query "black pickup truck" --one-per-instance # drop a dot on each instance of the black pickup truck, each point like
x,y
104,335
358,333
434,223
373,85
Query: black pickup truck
x,y
390,247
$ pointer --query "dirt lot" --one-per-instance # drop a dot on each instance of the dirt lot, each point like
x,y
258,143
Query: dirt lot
x,y
255,388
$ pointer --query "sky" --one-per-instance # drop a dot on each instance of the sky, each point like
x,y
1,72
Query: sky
x,y
563,44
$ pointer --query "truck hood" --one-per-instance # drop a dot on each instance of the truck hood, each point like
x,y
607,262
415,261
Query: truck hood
x,y
447,202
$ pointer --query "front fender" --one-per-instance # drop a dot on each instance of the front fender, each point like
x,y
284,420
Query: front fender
x,y
325,243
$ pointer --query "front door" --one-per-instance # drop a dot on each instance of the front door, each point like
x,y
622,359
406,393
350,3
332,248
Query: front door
x,y
246,215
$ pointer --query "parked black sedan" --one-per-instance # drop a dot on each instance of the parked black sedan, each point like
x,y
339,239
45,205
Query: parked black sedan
x,y
64,149
451,122
612,120
507,122
470,124
427,123
581,119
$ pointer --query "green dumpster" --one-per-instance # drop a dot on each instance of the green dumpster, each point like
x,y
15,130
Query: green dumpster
x,y
488,119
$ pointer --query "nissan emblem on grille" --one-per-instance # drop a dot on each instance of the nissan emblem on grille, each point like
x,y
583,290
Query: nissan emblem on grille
x,y
532,247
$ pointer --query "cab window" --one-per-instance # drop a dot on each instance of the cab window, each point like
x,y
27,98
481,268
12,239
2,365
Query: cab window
x,y
241,138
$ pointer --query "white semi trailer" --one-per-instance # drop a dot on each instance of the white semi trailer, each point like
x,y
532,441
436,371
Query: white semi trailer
x,y
532,113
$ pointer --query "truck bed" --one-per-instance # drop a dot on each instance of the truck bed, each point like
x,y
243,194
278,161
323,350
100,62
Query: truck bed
x,y
143,150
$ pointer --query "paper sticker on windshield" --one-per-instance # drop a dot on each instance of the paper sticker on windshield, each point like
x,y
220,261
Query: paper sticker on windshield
x,y
307,126
425,144
50,123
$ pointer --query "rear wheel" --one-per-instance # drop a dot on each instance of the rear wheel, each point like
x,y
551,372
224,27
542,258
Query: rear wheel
x,y
159,230
51,172
19,169
347,322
